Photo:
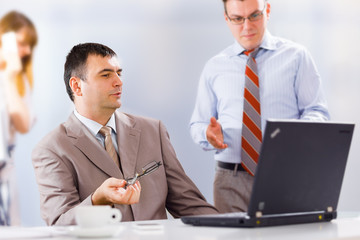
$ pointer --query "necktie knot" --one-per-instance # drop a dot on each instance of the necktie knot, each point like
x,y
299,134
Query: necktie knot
x,y
105,131
248,52
252,53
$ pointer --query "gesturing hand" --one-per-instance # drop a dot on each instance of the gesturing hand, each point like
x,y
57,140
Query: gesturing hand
x,y
214,134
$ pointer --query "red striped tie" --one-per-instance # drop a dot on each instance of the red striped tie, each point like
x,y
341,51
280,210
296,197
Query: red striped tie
x,y
251,129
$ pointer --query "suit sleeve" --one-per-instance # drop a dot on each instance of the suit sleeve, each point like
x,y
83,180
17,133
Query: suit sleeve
x,y
183,198
57,186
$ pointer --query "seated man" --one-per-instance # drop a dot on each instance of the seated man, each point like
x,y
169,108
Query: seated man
x,y
76,164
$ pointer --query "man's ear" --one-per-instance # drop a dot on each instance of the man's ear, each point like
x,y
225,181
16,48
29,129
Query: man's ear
x,y
226,17
75,84
268,10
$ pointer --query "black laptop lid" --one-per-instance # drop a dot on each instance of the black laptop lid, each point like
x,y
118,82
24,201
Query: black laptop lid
x,y
314,155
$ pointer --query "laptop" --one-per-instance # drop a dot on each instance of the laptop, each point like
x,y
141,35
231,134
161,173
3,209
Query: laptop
x,y
298,178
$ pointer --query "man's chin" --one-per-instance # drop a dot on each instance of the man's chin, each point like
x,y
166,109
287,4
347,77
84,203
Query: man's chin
x,y
113,107
117,105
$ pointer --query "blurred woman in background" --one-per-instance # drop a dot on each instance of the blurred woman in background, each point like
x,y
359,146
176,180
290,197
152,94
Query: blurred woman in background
x,y
18,39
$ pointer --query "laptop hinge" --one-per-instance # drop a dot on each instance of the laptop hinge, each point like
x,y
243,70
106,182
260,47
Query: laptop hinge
x,y
259,214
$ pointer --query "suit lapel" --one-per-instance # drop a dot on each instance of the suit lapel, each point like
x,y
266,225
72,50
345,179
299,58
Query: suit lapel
x,y
128,138
90,147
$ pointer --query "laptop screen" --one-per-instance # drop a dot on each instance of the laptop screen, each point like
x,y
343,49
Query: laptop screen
x,y
301,167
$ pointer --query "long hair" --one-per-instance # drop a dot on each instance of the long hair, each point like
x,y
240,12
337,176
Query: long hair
x,y
13,22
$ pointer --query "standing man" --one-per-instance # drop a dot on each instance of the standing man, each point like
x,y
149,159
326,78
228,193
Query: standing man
x,y
85,160
256,78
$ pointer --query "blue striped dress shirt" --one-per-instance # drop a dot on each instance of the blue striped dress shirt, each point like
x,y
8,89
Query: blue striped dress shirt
x,y
290,88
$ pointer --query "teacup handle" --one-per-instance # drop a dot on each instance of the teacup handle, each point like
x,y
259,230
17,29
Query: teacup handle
x,y
115,215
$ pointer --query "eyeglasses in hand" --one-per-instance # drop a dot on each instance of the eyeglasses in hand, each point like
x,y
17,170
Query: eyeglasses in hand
x,y
147,169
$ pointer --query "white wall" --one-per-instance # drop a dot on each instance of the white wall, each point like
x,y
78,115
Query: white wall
x,y
164,45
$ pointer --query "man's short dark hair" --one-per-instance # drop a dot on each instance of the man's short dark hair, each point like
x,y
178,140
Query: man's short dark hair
x,y
75,65
224,1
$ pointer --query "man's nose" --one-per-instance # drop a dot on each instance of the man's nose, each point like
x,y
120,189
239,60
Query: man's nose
x,y
118,81
246,23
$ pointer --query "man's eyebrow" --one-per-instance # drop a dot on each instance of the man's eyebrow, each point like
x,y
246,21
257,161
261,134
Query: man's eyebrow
x,y
236,16
109,70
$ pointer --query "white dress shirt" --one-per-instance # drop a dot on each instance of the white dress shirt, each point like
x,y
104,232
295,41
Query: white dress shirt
x,y
94,128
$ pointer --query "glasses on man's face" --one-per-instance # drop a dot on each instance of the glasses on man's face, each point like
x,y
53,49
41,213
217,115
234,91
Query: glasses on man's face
x,y
147,169
252,18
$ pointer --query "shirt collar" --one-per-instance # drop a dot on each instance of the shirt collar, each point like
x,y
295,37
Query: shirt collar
x,y
93,126
268,43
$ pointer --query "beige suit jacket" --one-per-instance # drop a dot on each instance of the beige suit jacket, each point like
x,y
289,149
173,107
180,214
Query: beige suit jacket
x,y
70,164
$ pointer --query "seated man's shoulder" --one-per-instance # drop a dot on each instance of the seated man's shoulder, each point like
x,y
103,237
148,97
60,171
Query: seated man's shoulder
x,y
55,136
150,128
137,120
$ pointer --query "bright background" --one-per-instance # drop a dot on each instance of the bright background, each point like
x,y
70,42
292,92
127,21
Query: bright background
x,y
164,45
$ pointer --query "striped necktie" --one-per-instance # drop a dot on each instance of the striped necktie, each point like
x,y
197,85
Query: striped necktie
x,y
109,146
251,128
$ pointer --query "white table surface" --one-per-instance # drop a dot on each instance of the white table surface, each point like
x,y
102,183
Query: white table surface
x,y
346,227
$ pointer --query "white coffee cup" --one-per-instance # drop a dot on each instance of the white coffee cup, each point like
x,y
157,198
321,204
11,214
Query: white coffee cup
x,y
96,216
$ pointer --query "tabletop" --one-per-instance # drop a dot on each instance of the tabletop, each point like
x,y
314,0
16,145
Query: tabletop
x,y
346,227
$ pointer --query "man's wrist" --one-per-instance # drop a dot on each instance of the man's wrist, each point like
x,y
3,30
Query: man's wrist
x,y
98,199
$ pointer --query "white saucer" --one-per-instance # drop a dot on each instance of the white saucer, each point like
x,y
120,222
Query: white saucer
x,y
107,231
